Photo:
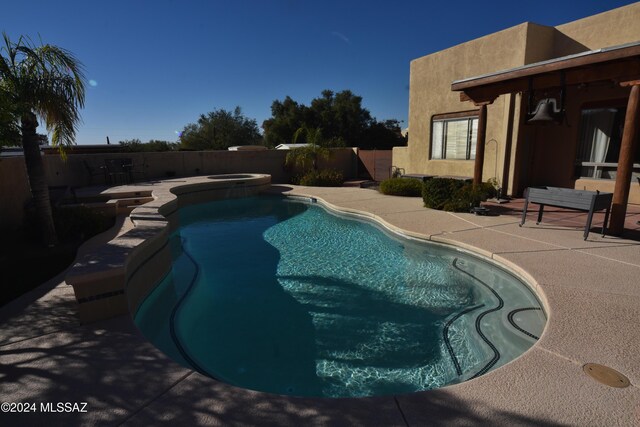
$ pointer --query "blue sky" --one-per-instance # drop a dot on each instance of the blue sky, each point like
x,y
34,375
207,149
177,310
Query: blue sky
x,y
157,65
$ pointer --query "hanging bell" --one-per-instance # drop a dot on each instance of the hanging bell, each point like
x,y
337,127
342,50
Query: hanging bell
x,y
546,112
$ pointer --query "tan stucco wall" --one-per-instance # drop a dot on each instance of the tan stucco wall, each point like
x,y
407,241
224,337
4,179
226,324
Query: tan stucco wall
x,y
611,28
165,165
400,156
527,148
607,186
14,192
540,43
430,94
14,187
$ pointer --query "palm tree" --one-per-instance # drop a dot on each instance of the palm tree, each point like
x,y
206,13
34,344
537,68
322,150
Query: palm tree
x,y
43,82
306,158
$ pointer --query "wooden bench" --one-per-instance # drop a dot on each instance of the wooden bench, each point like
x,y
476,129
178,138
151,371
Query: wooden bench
x,y
581,200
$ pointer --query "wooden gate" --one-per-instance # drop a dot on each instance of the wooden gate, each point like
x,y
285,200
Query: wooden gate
x,y
374,164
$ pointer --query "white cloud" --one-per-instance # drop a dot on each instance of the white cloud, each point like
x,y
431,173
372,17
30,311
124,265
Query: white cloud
x,y
341,36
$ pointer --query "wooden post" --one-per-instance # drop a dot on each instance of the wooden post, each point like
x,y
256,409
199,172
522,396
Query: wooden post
x,y
482,132
625,160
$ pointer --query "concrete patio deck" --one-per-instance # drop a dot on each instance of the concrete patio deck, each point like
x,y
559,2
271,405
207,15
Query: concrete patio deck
x,y
591,290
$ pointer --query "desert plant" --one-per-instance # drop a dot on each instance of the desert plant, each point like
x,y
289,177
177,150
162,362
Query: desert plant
x,y
468,196
490,188
73,223
306,158
455,195
323,178
79,222
437,191
401,187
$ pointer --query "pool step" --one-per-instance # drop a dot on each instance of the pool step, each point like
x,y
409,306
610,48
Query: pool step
x,y
127,205
108,208
127,194
114,206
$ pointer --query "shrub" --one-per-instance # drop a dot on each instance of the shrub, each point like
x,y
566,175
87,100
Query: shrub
x,y
437,191
79,223
26,263
492,187
73,223
467,197
401,187
456,195
323,178
295,179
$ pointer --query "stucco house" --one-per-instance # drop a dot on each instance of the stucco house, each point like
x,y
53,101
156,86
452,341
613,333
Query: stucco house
x,y
470,106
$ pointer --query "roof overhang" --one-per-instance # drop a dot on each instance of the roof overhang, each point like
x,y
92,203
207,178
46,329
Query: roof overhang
x,y
618,64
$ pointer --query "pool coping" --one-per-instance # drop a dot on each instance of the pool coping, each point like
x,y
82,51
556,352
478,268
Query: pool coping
x,y
589,321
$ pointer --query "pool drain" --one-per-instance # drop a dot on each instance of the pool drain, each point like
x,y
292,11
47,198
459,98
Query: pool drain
x,y
605,375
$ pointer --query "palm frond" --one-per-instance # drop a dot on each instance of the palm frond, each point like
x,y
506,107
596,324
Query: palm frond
x,y
298,134
5,68
311,136
48,81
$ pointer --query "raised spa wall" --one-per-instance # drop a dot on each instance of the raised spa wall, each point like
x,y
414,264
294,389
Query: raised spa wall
x,y
116,277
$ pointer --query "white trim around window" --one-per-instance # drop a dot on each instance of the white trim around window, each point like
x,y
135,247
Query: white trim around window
x,y
454,136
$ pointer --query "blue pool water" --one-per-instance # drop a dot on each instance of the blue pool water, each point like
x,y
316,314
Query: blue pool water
x,y
282,296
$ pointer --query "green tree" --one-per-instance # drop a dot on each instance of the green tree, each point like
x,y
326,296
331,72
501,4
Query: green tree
x,y
383,135
43,82
219,130
287,117
135,145
341,116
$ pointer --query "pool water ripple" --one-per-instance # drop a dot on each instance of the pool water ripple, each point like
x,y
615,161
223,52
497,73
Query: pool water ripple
x,y
285,297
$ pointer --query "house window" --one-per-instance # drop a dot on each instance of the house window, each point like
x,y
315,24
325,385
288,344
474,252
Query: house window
x,y
599,143
453,136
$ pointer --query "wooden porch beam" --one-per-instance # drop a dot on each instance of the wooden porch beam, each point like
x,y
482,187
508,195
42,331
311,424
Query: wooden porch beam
x,y
581,62
616,72
482,132
625,160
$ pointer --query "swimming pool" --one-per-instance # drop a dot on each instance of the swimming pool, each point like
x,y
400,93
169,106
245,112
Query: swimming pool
x,y
283,296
